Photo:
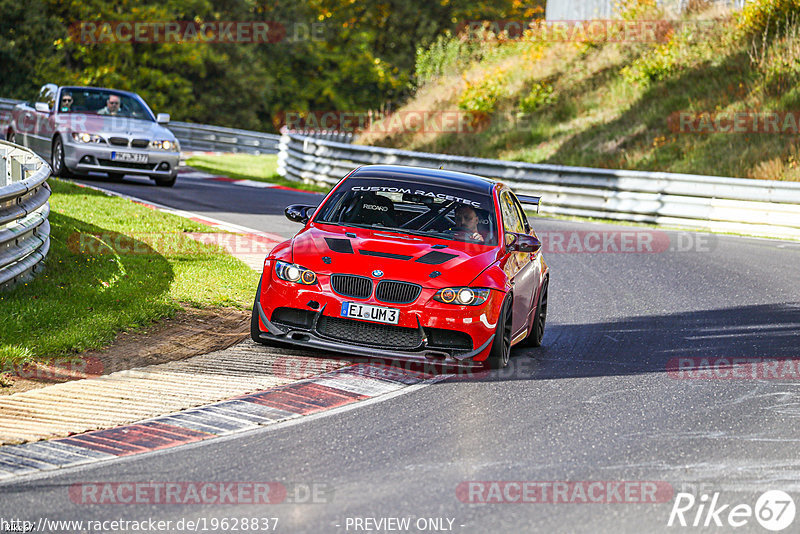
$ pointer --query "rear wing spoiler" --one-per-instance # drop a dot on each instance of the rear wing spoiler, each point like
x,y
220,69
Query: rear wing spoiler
x,y
529,199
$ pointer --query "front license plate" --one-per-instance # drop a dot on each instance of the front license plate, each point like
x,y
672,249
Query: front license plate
x,y
379,314
130,157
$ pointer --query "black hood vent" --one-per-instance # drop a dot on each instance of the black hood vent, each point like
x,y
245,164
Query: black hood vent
x,y
389,255
339,245
435,257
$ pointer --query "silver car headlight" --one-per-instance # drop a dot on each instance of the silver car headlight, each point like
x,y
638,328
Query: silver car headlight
x,y
165,144
84,137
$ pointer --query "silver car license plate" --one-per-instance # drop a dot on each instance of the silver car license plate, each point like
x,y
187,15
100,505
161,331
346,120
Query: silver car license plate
x,y
129,157
379,314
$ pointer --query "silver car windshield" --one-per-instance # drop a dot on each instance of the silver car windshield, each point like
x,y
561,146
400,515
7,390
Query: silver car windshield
x,y
102,102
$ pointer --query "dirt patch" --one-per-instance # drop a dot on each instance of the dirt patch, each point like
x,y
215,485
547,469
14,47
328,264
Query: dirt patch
x,y
190,332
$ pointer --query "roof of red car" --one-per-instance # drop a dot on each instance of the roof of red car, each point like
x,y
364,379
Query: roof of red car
x,y
445,178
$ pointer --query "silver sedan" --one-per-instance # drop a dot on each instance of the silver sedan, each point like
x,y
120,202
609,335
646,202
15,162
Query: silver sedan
x,y
85,129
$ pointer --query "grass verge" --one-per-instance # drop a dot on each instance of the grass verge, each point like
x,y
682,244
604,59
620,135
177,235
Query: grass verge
x,y
263,168
113,265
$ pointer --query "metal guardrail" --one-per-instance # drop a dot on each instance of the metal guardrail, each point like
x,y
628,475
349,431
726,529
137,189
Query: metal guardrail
x,y
24,207
205,137
754,207
192,137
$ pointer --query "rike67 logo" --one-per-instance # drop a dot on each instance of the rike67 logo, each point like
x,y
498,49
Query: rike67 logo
x,y
774,510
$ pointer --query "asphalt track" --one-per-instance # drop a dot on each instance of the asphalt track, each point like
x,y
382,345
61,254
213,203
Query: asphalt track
x,y
596,403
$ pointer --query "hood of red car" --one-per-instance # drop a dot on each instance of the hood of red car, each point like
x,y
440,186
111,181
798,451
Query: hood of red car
x,y
329,249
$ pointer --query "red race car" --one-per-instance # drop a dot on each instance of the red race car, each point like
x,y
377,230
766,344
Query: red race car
x,y
409,263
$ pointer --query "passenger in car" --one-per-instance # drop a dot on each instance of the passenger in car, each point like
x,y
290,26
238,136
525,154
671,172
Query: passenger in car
x,y
112,106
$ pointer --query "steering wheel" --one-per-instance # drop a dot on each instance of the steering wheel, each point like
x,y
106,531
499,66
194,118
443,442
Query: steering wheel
x,y
462,232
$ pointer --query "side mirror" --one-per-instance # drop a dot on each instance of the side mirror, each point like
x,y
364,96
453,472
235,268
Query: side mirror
x,y
42,107
524,243
162,118
299,213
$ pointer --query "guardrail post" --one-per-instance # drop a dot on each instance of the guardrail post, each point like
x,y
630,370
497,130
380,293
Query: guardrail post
x,y
16,171
5,168
28,169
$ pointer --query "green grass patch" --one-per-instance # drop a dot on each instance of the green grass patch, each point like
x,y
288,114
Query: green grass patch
x,y
113,265
262,168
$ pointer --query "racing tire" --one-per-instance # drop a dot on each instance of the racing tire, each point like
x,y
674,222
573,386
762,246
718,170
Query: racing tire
x,y
501,346
536,334
57,159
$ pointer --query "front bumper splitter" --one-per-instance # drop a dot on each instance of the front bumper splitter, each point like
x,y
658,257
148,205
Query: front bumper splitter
x,y
306,338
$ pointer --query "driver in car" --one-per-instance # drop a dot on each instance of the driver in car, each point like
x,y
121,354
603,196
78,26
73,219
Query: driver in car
x,y
467,222
66,102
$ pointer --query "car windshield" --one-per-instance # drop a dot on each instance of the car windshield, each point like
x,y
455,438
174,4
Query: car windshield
x,y
412,208
102,102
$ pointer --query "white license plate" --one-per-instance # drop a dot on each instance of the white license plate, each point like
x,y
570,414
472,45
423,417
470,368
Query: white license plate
x,y
130,157
379,314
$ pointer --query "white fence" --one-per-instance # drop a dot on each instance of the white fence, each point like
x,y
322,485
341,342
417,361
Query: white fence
x,y
754,207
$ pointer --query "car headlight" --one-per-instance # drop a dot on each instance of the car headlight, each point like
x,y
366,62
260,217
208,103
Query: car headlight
x,y
164,144
295,273
84,137
462,296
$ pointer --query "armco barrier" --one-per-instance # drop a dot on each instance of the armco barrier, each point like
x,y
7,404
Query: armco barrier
x,y
754,207
205,137
24,229
192,137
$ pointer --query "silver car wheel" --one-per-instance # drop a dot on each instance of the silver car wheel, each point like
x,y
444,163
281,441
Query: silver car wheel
x,y
58,156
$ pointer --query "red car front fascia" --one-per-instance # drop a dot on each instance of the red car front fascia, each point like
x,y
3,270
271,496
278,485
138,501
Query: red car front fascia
x,y
479,322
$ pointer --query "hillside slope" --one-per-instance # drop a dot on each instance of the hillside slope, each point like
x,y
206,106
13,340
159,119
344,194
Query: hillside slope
x,y
619,104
